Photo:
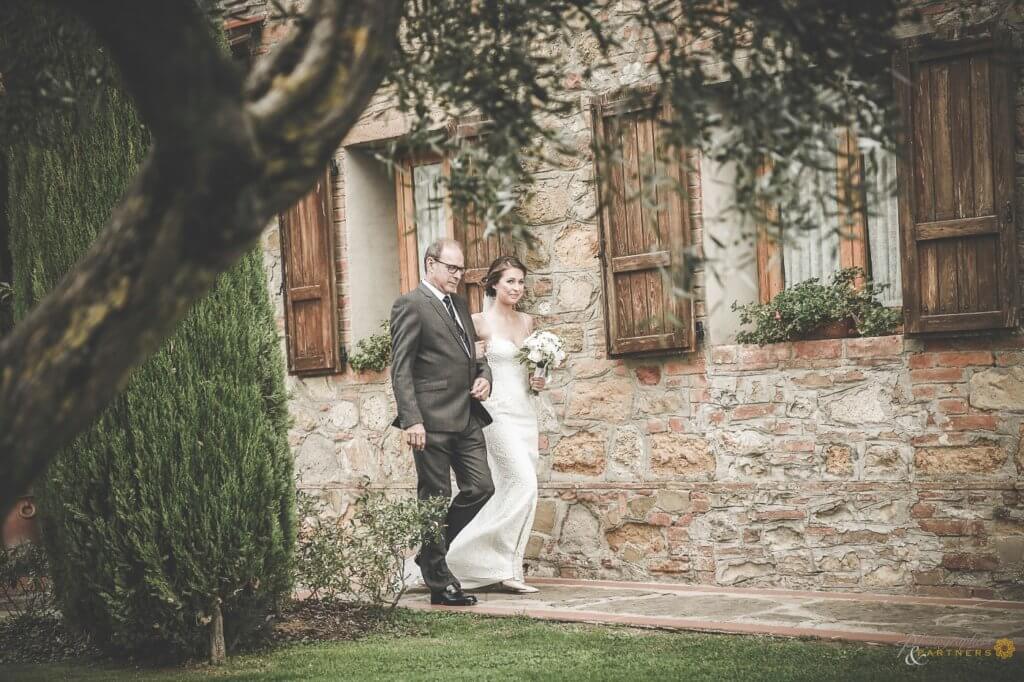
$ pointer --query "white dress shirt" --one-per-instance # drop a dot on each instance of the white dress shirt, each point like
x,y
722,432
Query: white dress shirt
x,y
441,296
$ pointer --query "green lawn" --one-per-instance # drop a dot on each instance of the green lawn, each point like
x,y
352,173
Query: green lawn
x,y
461,647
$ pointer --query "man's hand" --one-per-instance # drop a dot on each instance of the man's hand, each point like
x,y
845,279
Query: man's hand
x,y
416,436
481,389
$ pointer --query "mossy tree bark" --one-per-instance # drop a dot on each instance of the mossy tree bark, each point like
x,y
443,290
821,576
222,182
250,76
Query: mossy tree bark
x,y
227,156
6,309
218,653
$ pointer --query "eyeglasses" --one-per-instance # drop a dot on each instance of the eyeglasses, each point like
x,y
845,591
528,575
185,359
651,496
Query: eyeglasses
x,y
452,269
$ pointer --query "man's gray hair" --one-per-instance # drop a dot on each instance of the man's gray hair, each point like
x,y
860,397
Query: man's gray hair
x,y
437,247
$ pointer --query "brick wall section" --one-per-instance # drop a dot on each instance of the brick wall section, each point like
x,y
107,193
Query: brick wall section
x,y
887,464
877,464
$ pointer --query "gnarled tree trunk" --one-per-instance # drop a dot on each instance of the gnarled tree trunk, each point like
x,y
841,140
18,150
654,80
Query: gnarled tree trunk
x,y
227,156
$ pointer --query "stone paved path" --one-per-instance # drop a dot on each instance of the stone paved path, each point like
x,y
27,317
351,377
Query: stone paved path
x,y
877,618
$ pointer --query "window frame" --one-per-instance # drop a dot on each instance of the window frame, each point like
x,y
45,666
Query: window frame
x,y
409,263
456,227
854,249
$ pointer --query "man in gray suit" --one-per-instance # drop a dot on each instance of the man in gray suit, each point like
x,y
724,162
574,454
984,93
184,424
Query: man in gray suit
x,y
438,384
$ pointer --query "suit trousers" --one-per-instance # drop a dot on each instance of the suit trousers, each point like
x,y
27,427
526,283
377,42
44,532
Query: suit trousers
x,y
466,453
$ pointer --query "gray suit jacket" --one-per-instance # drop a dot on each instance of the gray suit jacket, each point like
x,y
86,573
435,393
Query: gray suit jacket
x,y
430,372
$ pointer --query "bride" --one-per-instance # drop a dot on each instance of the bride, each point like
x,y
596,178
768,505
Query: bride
x,y
489,550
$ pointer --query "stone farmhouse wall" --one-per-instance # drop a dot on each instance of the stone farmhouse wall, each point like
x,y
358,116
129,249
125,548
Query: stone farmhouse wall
x,y
889,464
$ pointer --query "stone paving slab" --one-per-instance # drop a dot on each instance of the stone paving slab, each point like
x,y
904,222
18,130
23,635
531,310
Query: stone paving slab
x,y
861,617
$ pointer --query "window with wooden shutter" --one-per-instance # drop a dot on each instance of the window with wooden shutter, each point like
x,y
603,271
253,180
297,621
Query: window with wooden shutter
x,y
641,240
425,214
307,255
956,186
245,37
857,226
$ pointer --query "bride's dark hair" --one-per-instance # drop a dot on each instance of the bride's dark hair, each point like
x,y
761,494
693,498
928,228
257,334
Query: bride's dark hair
x,y
500,265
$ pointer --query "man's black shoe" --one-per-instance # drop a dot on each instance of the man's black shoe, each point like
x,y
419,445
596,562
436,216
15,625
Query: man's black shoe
x,y
452,596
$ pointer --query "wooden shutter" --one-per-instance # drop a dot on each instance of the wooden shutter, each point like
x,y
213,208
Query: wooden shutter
x,y
637,239
956,187
480,253
469,231
770,277
307,255
851,204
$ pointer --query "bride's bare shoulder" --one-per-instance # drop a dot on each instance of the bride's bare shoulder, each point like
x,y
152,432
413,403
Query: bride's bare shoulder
x,y
526,320
480,324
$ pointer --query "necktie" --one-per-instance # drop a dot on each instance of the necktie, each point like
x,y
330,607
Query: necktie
x,y
462,332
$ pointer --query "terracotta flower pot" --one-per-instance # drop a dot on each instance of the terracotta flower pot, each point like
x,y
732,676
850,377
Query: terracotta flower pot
x,y
21,523
840,329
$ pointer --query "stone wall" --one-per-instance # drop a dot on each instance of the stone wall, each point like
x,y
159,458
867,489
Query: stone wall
x,y
879,464
889,464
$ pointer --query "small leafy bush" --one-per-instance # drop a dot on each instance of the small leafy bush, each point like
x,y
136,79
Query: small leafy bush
x,y
33,630
797,310
361,557
373,352
25,588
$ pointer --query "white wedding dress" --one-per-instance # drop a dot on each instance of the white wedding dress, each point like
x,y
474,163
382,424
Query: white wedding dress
x,y
490,547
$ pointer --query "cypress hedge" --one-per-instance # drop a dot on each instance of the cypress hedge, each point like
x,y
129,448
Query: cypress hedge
x,y
174,514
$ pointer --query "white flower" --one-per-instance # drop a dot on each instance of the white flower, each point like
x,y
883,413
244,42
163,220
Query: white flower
x,y
543,348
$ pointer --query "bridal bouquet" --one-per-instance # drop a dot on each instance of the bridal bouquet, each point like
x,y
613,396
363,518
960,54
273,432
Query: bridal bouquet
x,y
542,352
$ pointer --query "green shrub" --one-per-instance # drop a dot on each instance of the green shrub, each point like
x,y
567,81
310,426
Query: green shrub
x,y
374,352
361,558
800,309
177,506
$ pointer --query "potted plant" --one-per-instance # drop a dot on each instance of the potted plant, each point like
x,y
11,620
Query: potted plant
x,y
374,352
812,310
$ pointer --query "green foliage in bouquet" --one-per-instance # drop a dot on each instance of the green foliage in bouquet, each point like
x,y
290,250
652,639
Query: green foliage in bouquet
x,y
800,309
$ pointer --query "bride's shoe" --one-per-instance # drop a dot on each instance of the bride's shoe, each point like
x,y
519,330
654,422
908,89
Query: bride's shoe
x,y
516,587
